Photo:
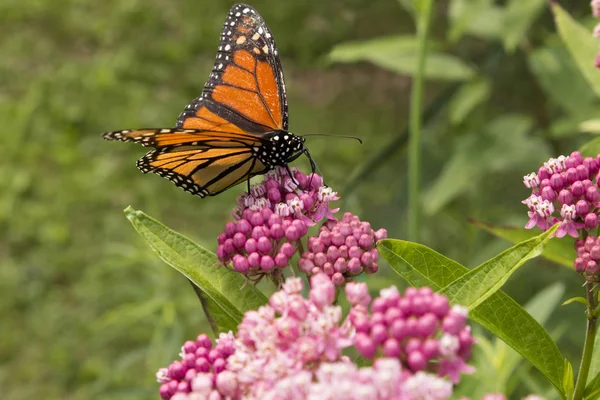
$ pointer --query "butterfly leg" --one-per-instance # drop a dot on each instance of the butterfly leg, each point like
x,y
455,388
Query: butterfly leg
x,y
248,182
289,171
313,167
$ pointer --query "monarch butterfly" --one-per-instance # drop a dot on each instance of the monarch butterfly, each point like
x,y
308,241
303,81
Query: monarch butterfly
x,y
238,127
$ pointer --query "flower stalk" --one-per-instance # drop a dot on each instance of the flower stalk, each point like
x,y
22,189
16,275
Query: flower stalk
x,y
415,123
588,347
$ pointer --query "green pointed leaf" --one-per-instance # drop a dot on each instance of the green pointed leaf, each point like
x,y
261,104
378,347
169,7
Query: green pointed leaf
x,y
218,320
399,54
518,17
591,148
590,126
480,18
576,300
480,283
592,390
581,44
499,314
568,380
227,295
559,76
560,251
468,97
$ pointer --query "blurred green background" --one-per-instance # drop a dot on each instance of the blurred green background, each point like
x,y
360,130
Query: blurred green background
x,y
88,311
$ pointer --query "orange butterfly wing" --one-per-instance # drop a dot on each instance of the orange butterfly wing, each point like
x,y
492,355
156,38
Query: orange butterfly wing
x,y
217,137
204,163
245,91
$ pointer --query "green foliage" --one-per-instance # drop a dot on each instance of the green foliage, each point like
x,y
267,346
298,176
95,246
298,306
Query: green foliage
x,y
581,44
499,314
561,251
568,380
497,364
88,312
399,54
476,286
216,284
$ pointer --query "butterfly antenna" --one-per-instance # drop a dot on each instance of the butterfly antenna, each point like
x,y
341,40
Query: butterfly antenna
x,y
339,136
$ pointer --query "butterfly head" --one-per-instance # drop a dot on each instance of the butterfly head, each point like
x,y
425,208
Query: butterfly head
x,y
280,148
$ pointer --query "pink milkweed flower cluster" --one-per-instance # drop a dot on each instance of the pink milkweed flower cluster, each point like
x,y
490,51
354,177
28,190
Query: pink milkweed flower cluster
x,y
342,250
199,368
271,219
385,380
501,396
292,349
289,335
564,190
588,257
421,329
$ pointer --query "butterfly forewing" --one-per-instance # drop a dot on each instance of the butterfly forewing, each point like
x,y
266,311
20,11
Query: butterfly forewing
x,y
245,91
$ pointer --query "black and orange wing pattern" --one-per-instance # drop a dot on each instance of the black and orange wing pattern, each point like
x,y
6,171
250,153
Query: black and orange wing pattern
x,y
219,136
245,89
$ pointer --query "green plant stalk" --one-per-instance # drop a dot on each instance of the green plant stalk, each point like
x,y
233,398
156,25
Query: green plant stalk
x,y
588,347
416,102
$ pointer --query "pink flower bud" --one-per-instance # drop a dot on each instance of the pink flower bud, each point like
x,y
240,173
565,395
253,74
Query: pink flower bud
x,y
254,260
305,265
364,344
354,266
565,197
557,182
391,348
591,221
577,189
267,263
322,291
281,260
239,240
357,293
227,384
416,361
338,279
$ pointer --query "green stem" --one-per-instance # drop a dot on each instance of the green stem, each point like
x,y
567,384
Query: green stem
x,y
416,100
588,347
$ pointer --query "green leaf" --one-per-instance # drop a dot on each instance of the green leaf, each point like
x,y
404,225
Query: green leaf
x,y
480,283
499,314
518,17
591,126
477,17
503,143
595,365
468,97
561,79
581,300
568,380
399,54
560,251
581,44
592,390
227,296
591,148
218,320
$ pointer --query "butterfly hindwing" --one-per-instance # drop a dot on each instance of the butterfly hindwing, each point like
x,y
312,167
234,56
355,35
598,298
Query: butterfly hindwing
x,y
202,171
201,162
246,90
